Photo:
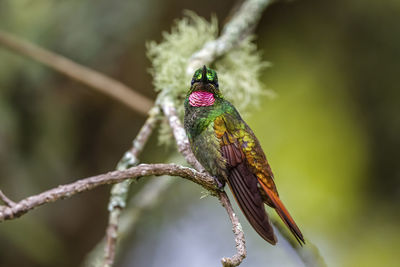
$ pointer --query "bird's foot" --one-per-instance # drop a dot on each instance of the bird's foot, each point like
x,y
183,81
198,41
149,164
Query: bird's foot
x,y
220,184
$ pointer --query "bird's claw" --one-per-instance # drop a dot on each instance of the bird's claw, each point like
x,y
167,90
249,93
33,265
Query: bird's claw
x,y
220,184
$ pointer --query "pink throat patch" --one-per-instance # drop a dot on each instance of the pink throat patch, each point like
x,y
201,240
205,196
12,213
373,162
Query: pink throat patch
x,y
201,99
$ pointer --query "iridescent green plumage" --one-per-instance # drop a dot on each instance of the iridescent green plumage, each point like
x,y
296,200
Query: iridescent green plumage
x,y
228,149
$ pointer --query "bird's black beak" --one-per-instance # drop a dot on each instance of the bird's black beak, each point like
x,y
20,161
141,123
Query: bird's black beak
x,y
204,75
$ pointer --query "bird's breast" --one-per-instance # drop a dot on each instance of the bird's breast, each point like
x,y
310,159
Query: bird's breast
x,y
207,150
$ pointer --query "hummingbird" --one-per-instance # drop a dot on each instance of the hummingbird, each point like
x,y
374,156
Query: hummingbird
x,y
228,149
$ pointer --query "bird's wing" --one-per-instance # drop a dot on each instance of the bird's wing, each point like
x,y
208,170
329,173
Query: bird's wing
x,y
242,181
251,175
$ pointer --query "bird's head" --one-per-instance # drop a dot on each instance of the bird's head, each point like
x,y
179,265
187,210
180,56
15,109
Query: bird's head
x,y
204,87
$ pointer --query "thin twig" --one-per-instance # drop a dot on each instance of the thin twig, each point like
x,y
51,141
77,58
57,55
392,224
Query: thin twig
x,y
6,200
68,190
146,198
236,259
77,72
119,192
181,139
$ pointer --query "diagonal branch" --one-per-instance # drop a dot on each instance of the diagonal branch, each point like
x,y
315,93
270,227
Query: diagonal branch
x,y
145,199
119,192
236,259
65,191
77,72
240,26
6,200
179,133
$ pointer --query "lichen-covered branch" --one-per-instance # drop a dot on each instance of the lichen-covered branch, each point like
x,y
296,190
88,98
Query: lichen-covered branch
x,y
17,209
240,26
95,80
181,139
119,192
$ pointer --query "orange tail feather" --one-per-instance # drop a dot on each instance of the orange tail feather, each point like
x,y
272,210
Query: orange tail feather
x,y
283,213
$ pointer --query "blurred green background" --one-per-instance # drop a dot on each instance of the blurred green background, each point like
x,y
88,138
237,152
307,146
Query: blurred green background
x,y
331,134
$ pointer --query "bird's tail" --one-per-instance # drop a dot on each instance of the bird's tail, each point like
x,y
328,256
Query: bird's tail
x,y
244,188
283,213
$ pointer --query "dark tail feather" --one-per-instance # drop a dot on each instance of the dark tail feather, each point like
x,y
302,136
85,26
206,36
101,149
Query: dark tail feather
x,y
243,184
284,214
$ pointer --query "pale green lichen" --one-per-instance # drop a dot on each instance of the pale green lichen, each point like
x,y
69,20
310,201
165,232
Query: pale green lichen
x,y
170,57
238,71
239,74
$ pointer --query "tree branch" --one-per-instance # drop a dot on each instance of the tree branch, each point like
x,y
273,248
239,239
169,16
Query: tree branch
x,y
236,259
181,139
65,191
77,72
240,26
6,200
119,192
146,198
